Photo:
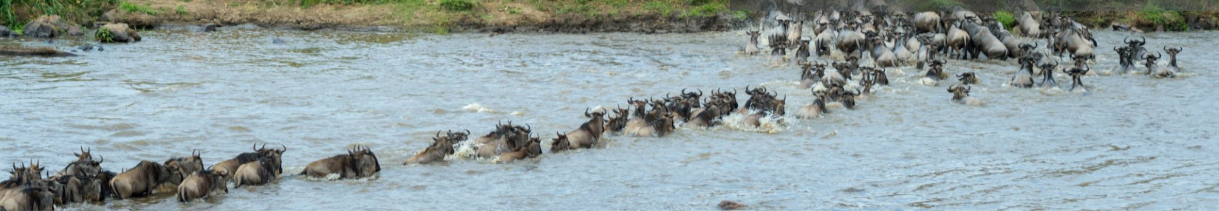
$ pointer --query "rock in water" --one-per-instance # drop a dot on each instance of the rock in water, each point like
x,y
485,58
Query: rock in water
x,y
47,26
4,32
43,51
117,32
731,205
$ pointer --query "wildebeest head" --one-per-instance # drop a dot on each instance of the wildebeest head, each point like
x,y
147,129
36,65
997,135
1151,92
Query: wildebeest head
x,y
618,122
1172,55
967,78
366,162
188,165
84,154
559,143
639,105
275,157
937,70
959,92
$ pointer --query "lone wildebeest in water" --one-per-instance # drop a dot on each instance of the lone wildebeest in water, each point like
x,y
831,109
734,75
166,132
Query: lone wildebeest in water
x,y
358,163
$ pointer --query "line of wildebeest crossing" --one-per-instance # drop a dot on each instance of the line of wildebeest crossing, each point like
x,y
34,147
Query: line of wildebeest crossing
x,y
890,38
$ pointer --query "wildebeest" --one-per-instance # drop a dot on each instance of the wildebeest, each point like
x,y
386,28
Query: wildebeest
x,y
503,139
531,150
957,39
1136,46
201,184
615,125
255,173
229,167
31,196
187,164
967,78
559,143
357,163
1076,74
1125,60
1029,26
1076,40
142,179
752,47
441,146
960,94
936,70
1024,77
589,132
1047,75
1172,58
927,22
1156,70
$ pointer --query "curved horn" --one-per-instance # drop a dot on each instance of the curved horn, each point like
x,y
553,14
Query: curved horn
x,y
284,148
103,159
967,88
586,112
255,147
1165,48
700,92
437,133
467,131
264,146
1125,40
1144,40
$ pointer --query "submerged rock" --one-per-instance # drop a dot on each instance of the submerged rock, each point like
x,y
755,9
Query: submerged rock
x,y
43,51
731,205
4,32
117,32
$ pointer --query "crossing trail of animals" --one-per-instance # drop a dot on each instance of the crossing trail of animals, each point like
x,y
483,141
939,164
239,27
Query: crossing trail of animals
x,y
851,79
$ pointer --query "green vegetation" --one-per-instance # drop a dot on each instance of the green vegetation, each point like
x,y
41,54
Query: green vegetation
x,y
181,10
1154,15
664,8
16,13
457,5
740,14
104,35
1006,18
135,8
708,10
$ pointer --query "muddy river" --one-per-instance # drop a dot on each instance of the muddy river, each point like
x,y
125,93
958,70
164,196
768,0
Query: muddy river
x,y
1131,142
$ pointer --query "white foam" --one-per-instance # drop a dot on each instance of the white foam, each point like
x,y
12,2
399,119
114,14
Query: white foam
x,y
929,81
769,124
479,108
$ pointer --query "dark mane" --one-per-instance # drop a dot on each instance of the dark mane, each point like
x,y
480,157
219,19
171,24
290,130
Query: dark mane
x,y
247,157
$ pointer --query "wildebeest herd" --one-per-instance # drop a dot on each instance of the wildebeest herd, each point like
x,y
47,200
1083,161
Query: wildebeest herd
x,y
889,38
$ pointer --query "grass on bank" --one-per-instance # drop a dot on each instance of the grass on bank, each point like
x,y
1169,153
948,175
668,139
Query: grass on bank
x,y
14,14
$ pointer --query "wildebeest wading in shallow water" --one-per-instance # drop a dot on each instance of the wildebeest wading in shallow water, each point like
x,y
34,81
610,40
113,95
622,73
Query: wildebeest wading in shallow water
x,y
201,184
142,179
358,163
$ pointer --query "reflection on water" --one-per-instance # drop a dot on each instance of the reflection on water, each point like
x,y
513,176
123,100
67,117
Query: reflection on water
x,y
1131,143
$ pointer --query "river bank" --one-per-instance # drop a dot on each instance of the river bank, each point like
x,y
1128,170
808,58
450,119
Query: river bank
x,y
444,16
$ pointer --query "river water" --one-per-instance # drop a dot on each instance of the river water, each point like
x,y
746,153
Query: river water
x,y
1132,142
